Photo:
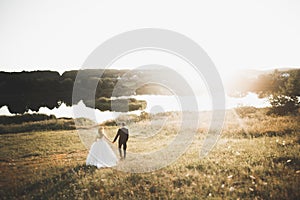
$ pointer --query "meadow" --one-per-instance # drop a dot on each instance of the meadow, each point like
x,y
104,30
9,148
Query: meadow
x,y
256,157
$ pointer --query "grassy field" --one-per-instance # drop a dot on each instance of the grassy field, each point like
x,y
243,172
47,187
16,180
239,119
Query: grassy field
x,y
256,157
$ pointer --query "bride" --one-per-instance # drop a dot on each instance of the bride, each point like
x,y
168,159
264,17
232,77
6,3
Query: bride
x,y
101,154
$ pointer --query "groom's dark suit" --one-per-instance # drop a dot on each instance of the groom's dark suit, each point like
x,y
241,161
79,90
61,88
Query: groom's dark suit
x,y
123,137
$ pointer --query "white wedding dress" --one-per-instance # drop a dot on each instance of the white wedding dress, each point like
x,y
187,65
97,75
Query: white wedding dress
x,y
101,154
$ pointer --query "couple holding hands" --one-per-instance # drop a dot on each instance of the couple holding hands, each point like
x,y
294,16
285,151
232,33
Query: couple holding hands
x,y
101,154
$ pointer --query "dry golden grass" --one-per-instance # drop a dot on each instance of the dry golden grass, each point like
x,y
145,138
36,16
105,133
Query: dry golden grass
x,y
257,157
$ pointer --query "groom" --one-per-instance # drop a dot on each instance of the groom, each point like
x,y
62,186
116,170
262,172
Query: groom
x,y
123,137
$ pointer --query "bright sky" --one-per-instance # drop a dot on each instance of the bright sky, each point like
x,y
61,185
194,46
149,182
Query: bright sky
x,y
59,35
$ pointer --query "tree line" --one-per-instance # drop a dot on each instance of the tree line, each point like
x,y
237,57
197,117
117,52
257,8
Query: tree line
x,y
21,91
281,87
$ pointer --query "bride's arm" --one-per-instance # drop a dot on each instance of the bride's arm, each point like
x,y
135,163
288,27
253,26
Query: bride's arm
x,y
106,137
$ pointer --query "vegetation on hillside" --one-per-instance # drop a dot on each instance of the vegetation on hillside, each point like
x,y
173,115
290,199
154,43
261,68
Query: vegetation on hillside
x,y
281,87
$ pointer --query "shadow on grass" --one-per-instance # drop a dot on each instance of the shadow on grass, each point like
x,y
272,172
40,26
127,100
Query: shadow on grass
x,y
290,162
273,133
268,133
49,187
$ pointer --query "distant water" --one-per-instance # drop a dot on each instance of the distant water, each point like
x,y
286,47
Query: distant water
x,y
155,104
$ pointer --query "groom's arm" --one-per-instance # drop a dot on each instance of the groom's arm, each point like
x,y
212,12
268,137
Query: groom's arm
x,y
117,136
127,135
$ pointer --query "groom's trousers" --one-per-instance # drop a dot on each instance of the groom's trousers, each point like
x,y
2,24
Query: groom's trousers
x,y
124,149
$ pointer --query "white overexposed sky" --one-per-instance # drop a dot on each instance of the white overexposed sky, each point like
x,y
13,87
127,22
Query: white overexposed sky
x,y
59,35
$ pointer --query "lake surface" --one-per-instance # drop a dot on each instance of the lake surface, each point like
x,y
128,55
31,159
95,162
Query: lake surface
x,y
155,104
